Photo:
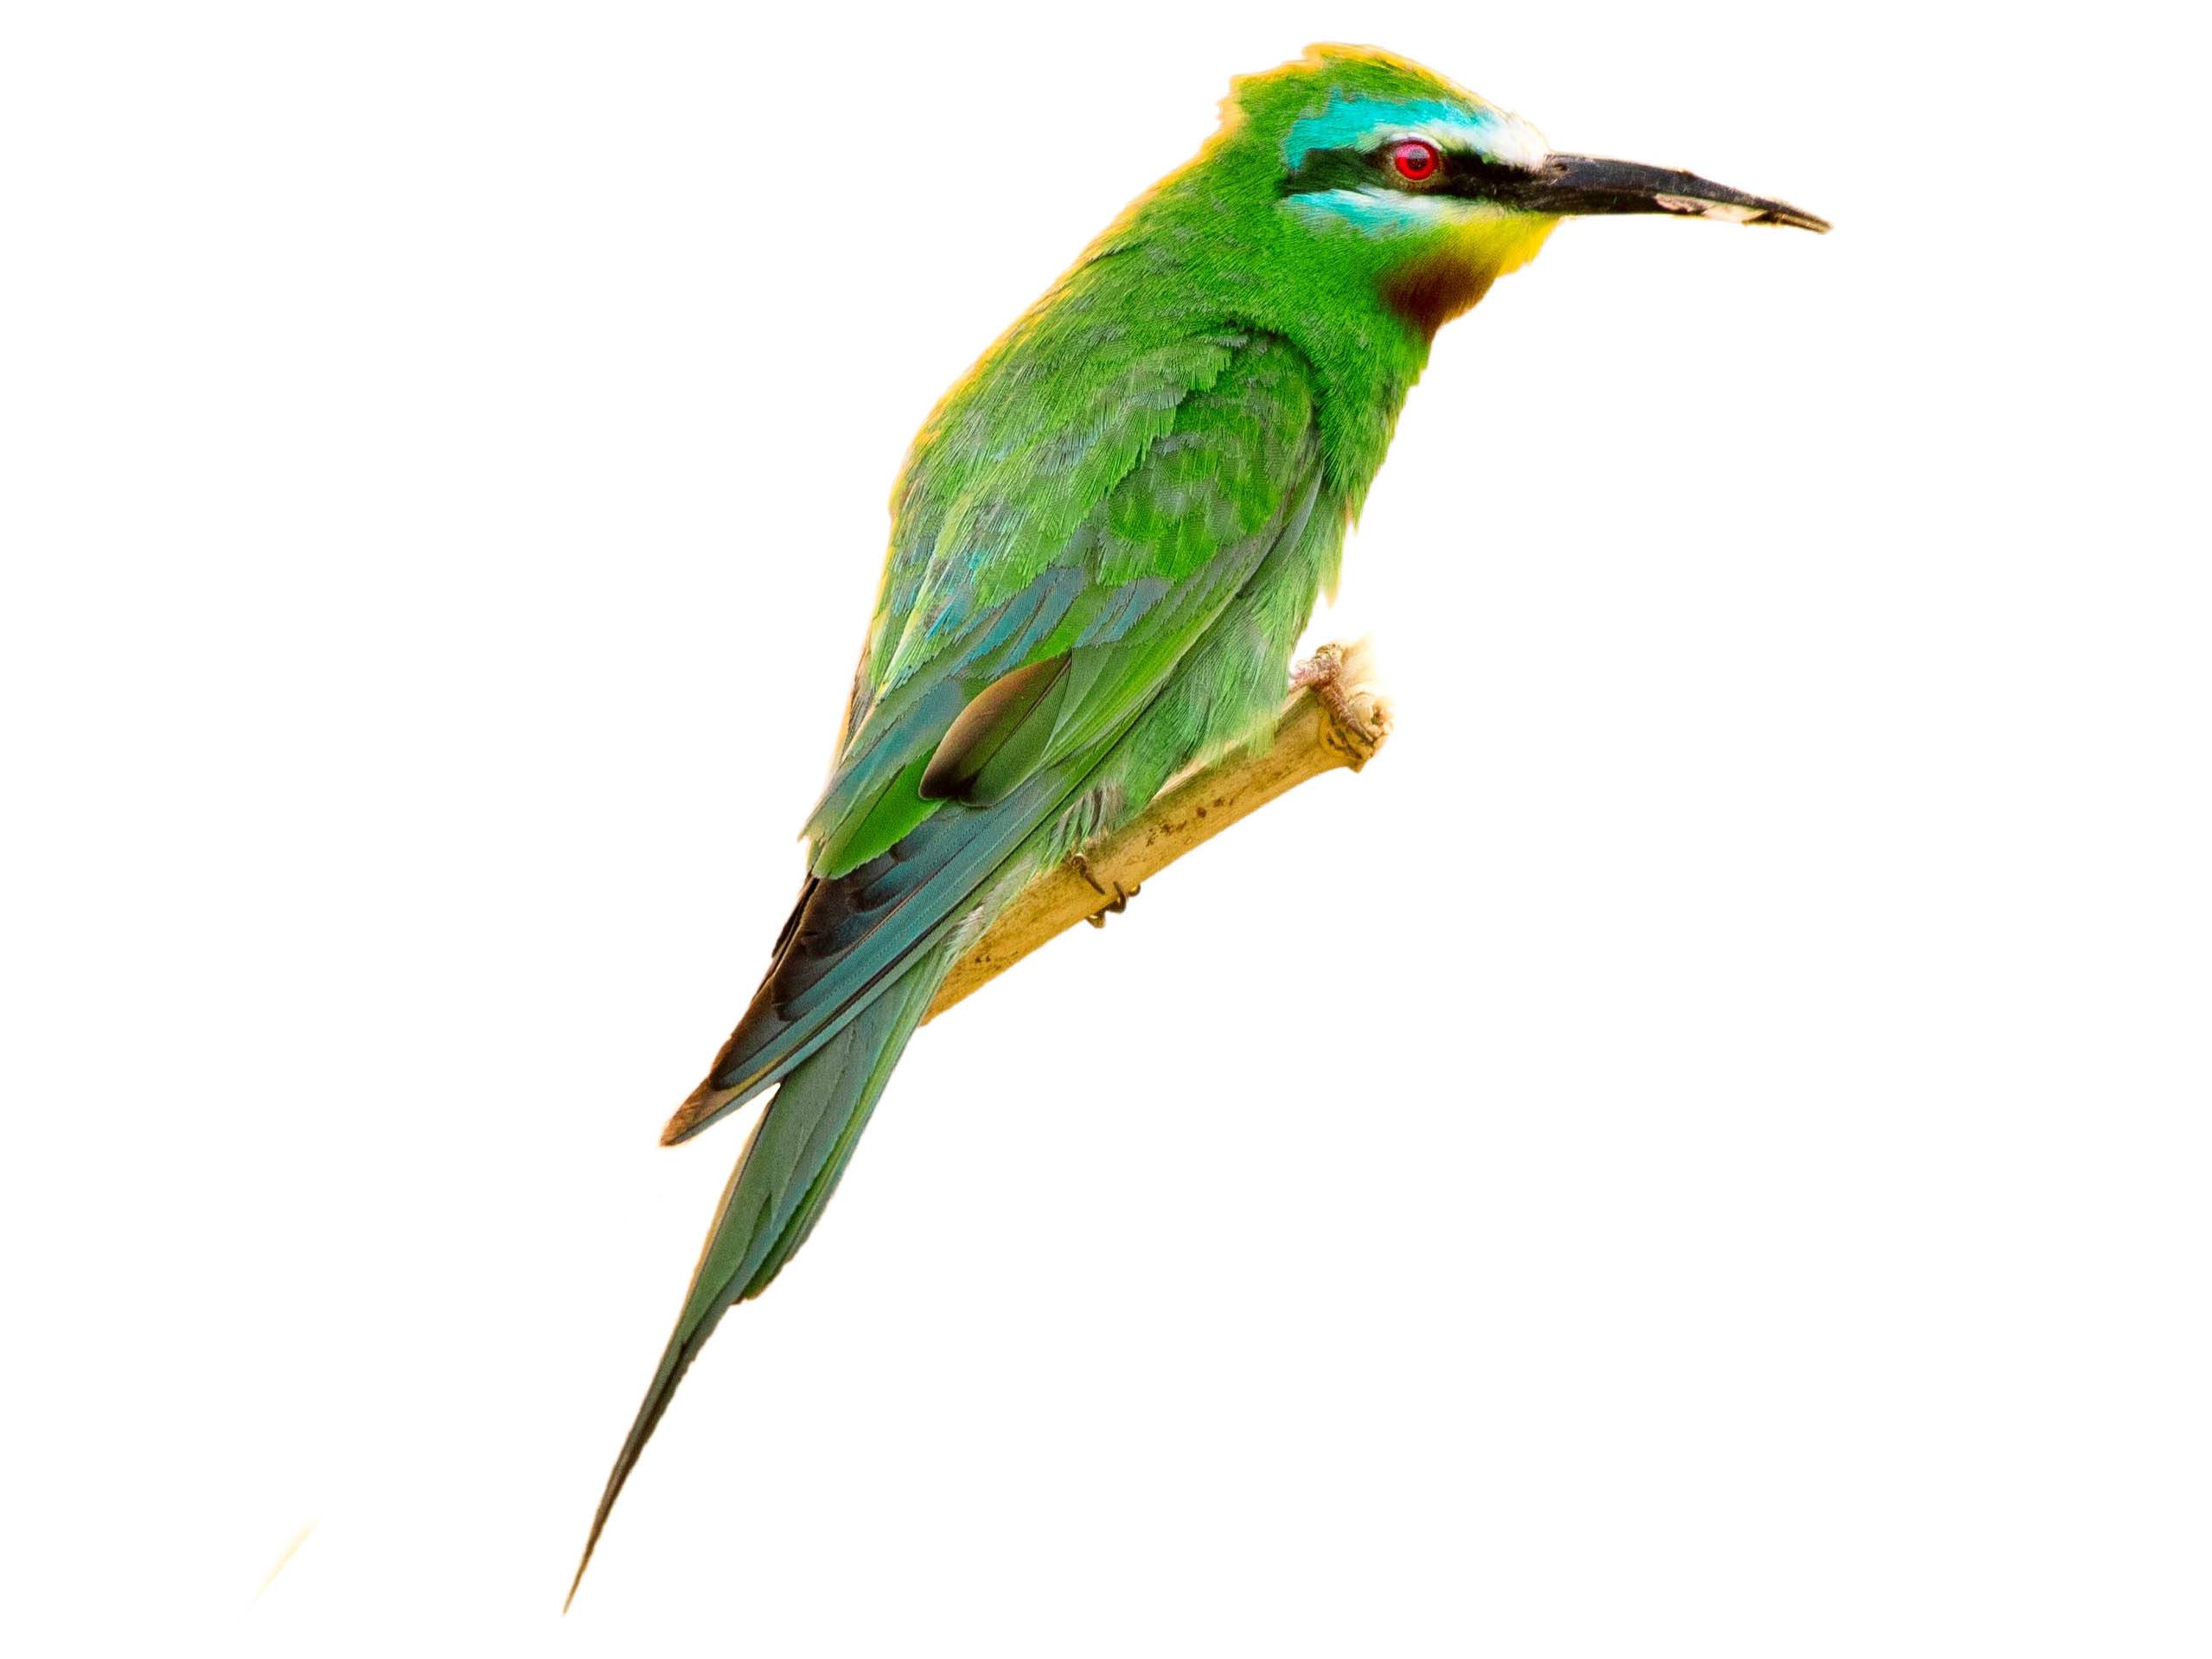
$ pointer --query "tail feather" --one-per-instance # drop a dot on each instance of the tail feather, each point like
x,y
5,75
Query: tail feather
x,y
791,1164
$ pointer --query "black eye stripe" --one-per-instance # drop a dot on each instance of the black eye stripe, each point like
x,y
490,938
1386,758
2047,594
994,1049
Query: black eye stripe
x,y
1458,173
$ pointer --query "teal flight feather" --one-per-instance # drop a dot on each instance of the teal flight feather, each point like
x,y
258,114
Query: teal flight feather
x,y
1105,542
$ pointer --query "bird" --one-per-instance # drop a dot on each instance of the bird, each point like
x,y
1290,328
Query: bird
x,y
1105,542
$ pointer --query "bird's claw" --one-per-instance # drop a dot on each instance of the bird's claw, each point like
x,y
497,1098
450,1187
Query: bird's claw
x,y
1322,673
1118,903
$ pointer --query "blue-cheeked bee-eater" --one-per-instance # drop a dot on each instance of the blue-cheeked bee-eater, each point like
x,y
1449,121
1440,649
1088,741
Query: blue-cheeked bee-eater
x,y
1104,545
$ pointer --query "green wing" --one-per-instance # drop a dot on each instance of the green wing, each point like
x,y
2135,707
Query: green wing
x,y
1015,667
1102,542
1000,678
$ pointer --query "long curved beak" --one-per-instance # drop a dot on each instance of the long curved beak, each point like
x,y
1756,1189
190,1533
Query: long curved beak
x,y
1591,184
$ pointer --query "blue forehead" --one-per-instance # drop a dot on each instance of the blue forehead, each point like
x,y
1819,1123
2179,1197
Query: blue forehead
x,y
1352,122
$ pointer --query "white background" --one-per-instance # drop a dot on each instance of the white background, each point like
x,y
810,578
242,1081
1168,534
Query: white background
x,y
1702,1149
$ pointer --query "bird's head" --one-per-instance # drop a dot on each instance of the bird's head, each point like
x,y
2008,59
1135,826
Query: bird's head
x,y
1377,167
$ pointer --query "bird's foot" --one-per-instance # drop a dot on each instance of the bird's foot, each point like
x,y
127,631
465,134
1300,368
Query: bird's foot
x,y
1118,903
1358,719
1323,674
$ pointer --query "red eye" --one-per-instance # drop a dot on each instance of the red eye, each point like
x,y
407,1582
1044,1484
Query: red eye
x,y
1415,160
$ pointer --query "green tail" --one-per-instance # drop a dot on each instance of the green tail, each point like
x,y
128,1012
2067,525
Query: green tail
x,y
783,1178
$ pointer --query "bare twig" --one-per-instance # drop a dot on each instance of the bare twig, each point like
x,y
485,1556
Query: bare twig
x,y
1333,718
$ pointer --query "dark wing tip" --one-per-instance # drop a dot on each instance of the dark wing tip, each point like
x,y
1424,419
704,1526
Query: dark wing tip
x,y
701,1108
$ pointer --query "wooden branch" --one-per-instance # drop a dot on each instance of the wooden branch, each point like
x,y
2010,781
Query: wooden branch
x,y
1333,717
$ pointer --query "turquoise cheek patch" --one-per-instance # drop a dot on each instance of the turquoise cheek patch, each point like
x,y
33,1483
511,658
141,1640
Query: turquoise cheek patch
x,y
1373,212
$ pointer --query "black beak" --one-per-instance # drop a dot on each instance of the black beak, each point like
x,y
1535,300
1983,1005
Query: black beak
x,y
1590,185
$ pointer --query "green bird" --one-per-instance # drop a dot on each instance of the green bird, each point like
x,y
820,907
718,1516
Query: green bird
x,y
1105,542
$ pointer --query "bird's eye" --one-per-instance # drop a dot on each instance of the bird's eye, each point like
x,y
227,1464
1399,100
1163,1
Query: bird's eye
x,y
1415,160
